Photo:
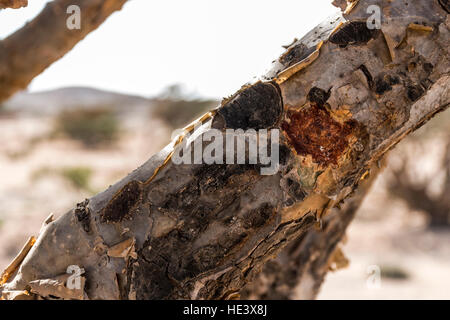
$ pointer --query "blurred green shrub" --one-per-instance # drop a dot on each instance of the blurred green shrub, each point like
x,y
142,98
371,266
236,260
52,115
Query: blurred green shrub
x,y
177,109
79,177
91,127
393,272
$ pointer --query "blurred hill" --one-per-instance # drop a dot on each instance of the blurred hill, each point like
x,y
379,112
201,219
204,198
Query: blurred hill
x,y
55,101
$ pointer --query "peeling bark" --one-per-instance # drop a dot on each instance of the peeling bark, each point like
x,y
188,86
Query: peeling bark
x,y
203,231
44,40
301,267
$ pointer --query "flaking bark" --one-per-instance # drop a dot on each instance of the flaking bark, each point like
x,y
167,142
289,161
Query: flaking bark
x,y
300,269
341,100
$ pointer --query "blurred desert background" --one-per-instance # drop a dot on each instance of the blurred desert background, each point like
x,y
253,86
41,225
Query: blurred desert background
x,y
61,146
65,139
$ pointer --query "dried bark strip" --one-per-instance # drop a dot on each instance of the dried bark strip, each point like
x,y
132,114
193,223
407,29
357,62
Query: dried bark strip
x,y
14,265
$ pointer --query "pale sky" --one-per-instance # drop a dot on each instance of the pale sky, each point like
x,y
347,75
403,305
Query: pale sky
x,y
210,46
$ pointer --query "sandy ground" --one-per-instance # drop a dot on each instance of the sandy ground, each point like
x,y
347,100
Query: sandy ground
x,y
384,234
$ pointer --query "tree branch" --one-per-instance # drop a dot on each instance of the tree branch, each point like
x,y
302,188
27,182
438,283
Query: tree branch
x,y
30,50
14,4
341,97
415,193
300,269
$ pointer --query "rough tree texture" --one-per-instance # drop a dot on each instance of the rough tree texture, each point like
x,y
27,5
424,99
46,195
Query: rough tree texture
x,y
300,269
14,4
342,96
29,51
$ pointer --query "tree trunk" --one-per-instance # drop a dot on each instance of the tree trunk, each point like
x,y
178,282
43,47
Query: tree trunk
x,y
341,97
29,51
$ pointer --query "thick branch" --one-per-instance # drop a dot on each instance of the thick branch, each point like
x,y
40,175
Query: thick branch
x,y
14,4
30,50
415,193
341,97
300,269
